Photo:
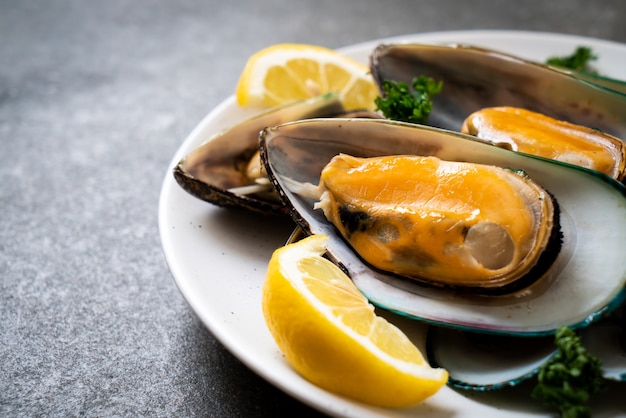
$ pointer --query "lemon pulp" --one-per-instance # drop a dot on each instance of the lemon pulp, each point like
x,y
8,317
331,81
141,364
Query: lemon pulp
x,y
286,72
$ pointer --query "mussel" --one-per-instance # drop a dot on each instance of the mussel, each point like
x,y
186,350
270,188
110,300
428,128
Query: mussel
x,y
476,78
222,170
588,273
483,362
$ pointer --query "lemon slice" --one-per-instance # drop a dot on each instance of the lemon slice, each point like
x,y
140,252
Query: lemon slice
x,y
286,72
330,334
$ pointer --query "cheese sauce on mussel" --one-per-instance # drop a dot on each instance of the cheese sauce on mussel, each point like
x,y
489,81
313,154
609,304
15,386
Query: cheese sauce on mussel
x,y
447,223
530,132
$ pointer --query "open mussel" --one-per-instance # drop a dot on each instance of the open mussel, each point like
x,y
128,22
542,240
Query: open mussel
x,y
483,362
225,170
586,276
475,80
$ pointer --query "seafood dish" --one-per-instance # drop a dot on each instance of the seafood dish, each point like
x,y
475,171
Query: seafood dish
x,y
501,228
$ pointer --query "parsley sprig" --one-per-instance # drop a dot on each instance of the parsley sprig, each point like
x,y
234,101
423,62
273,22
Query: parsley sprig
x,y
579,60
570,377
400,103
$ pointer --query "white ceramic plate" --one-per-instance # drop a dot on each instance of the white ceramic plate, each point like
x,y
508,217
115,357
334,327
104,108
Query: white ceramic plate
x,y
218,257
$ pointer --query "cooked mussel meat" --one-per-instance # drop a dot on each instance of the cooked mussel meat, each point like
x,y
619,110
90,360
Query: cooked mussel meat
x,y
534,133
443,222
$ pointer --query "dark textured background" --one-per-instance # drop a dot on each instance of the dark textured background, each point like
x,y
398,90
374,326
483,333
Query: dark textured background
x,y
95,98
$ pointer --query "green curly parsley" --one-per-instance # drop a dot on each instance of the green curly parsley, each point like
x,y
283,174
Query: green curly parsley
x,y
400,103
579,60
570,378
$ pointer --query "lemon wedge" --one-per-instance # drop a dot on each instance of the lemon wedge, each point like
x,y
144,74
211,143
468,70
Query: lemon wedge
x,y
330,334
286,72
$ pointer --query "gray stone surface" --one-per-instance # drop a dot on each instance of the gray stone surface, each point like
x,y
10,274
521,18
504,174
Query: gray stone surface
x,y
95,97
